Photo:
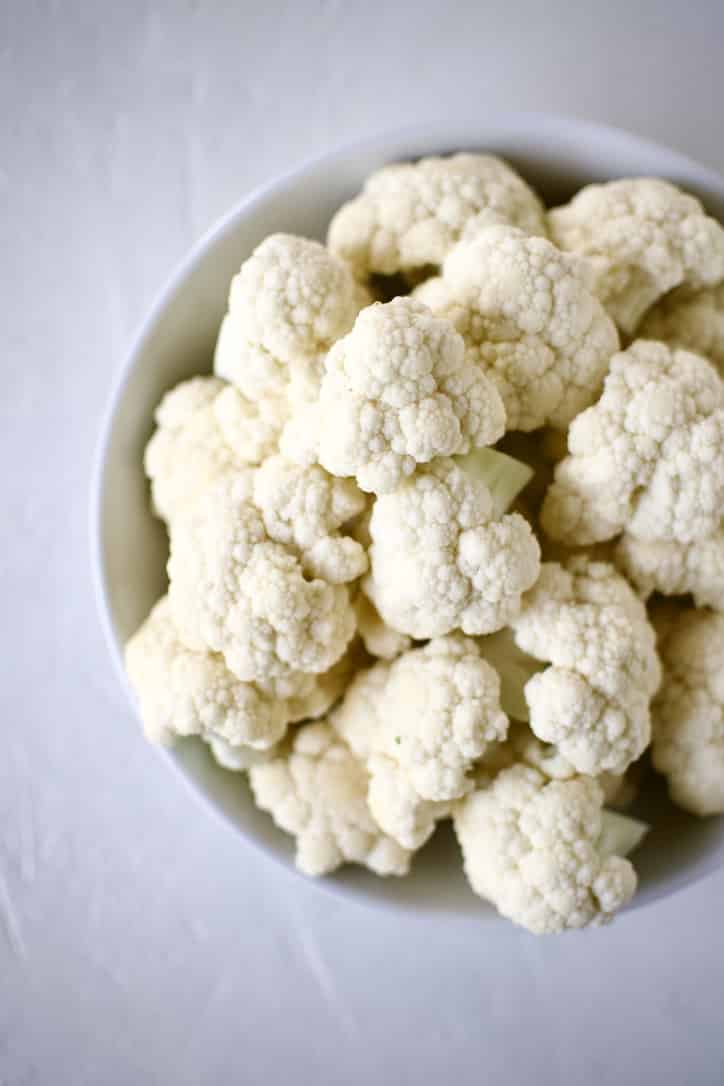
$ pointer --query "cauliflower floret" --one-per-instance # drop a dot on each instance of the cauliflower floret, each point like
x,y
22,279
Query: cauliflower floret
x,y
318,793
398,392
236,592
676,569
440,561
287,305
688,713
185,692
189,450
251,428
241,759
643,237
409,215
647,457
305,507
692,321
593,701
534,849
529,320
378,638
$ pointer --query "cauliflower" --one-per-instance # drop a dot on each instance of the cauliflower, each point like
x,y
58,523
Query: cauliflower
x,y
593,701
537,851
694,321
235,591
440,560
529,320
378,638
409,215
647,457
288,304
676,569
398,392
318,793
184,692
688,714
643,237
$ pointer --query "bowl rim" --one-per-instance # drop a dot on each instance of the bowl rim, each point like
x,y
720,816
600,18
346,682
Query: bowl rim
x,y
459,134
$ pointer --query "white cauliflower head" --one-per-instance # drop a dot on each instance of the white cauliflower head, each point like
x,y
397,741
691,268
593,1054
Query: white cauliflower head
x,y
235,591
692,320
593,702
440,560
688,713
529,320
642,237
535,850
409,215
317,791
676,569
398,392
647,457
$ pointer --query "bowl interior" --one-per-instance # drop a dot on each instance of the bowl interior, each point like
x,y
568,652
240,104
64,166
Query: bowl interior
x,y
556,156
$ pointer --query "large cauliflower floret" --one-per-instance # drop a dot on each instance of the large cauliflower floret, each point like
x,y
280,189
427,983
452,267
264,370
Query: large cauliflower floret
x,y
409,215
535,849
191,450
694,321
647,457
688,713
676,569
593,701
440,560
236,592
643,237
529,320
183,692
287,305
305,508
398,392
317,791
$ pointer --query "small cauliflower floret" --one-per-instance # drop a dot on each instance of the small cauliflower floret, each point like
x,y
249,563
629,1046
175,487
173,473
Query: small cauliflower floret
x,y
240,759
694,321
688,713
529,320
317,792
305,508
409,215
287,305
251,428
537,851
592,703
236,592
378,638
398,392
648,457
643,237
676,569
440,560
189,451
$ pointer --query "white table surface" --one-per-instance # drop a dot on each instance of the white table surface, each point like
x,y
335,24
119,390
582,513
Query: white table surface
x,y
141,942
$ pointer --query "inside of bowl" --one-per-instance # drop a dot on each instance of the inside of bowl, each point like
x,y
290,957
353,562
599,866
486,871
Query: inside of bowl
x,y
178,341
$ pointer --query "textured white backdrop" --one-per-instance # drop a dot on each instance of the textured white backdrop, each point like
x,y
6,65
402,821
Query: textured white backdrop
x,y
140,942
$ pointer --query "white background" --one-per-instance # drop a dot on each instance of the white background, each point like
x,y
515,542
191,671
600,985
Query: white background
x,y
140,941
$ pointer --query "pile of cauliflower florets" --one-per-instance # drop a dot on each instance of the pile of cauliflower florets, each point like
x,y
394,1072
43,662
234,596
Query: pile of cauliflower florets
x,y
358,502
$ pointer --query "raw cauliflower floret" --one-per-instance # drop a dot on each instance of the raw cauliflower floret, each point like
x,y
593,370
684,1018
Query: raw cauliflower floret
x,y
529,320
190,450
409,215
440,560
287,305
378,638
317,792
688,714
305,508
398,392
535,850
235,591
647,457
694,321
676,569
643,237
593,702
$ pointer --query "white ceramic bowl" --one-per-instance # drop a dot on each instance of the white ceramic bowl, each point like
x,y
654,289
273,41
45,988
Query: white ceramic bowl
x,y
176,341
